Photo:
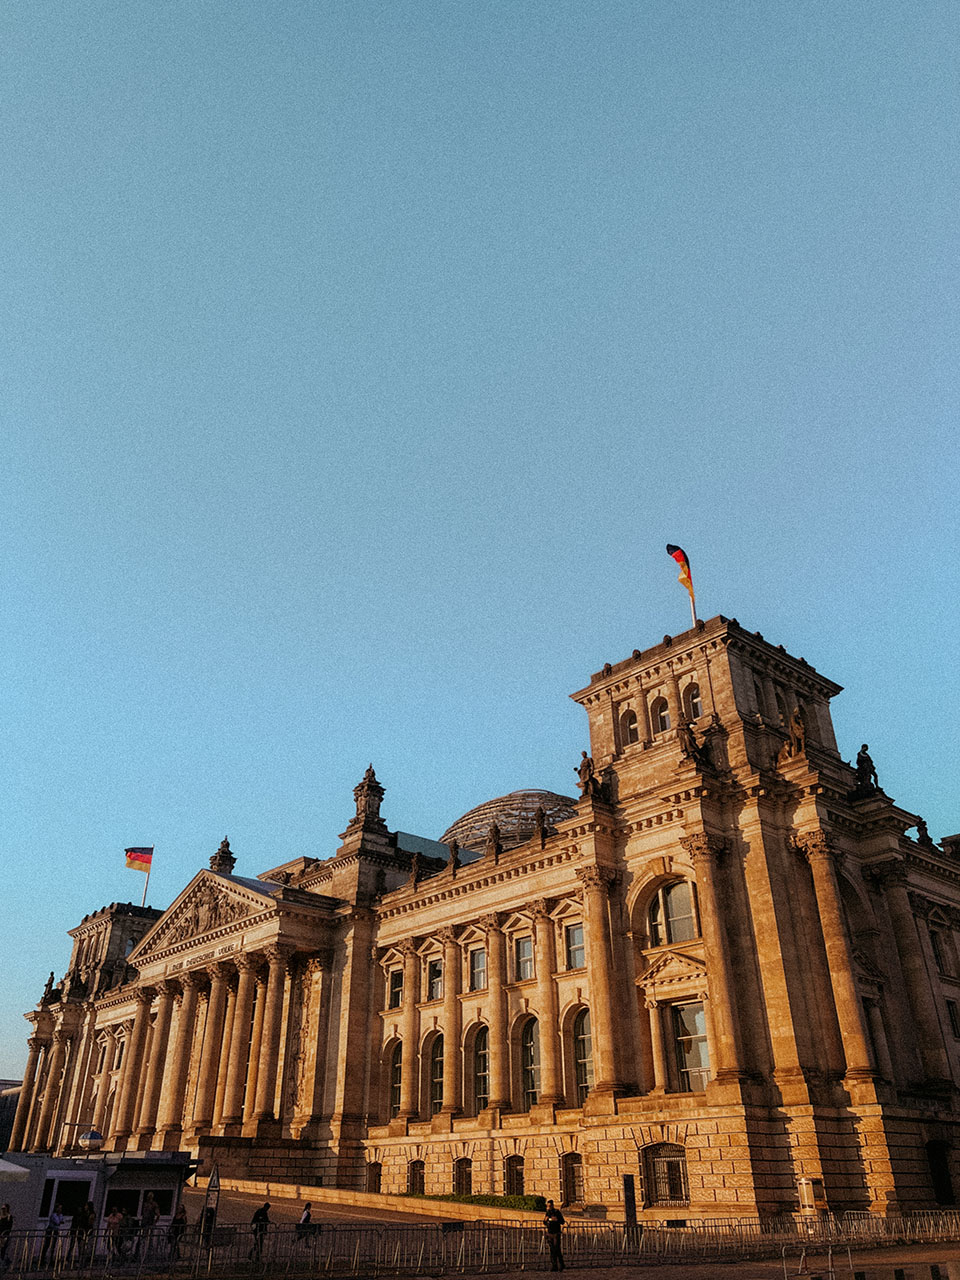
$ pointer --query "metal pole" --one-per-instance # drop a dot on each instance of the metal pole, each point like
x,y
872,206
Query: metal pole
x,y
143,901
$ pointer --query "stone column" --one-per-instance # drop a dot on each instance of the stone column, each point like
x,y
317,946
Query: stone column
x,y
547,1009
660,1073
237,1054
451,1023
409,1032
496,978
103,1089
919,990
210,1050
171,1117
879,1035
256,1044
846,998
129,1085
224,1065
158,1059
704,851
51,1092
595,881
277,958
35,1044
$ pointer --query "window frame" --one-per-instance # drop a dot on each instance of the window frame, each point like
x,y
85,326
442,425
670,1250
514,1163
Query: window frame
x,y
529,1063
571,948
475,969
481,1055
395,988
433,980
685,1074
435,1075
526,962
582,1056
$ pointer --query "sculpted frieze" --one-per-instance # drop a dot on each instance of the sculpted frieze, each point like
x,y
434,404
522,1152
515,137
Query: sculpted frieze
x,y
207,909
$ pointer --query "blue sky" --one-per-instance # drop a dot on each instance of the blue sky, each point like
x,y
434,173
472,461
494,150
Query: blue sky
x,y
359,360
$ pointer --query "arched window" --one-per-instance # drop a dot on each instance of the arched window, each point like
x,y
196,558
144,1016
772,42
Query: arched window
x,y
665,1174
513,1176
415,1179
692,702
463,1176
396,1071
660,716
628,728
481,1069
571,1173
436,1075
582,1055
673,914
529,1064
374,1177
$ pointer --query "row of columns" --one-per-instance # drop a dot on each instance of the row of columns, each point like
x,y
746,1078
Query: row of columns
x,y
236,1063
596,882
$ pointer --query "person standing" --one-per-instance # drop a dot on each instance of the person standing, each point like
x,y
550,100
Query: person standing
x,y
175,1233
303,1226
148,1221
259,1222
6,1229
52,1233
553,1221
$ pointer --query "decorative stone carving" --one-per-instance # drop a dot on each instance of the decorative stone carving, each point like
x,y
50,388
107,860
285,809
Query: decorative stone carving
x,y
588,783
490,922
702,845
539,909
596,877
223,860
815,844
493,848
455,864
867,782
924,839
540,823
368,795
207,909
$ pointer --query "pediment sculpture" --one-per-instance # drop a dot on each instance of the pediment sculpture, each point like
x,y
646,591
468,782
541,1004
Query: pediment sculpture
x,y
207,909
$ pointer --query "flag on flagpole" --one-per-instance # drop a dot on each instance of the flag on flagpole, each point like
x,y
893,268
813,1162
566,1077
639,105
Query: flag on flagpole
x,y
139,859
684,578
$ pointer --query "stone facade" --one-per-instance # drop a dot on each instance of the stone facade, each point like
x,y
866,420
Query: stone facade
x,y
724,980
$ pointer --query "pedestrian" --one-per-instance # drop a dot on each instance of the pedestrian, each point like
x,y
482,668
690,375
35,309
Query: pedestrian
x,y
148,1221
113,1223
553,1221
175,1233
52,1234
303,1226
259,1222
6,1229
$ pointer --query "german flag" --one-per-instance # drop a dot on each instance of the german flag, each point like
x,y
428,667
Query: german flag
x,y
678,554
139,859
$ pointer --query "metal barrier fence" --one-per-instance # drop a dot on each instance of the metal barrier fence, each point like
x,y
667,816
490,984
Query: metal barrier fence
x,y
380,1249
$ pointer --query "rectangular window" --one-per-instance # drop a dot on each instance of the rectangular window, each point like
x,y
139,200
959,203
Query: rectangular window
x,y
953,1013
434,980
690,1046
396,989
936,944
478,969
523,955
576,956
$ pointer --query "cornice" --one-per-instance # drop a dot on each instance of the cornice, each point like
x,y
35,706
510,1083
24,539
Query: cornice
x,y
461,886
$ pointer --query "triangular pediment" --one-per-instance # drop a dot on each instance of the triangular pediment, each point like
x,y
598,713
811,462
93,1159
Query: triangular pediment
x,y
209,906
673,968
865,966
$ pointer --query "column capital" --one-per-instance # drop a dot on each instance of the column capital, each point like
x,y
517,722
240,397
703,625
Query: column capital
x,y
143,996
167,988
220,970
62,1036
703,847
651,1002
195,979
317,963
37,1042
248,963
408,949
816,845
540,910
596,877
448,937
891,874
492,922
278,955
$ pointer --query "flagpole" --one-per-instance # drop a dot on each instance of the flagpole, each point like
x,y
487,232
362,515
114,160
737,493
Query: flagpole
x,y
143,901
693,611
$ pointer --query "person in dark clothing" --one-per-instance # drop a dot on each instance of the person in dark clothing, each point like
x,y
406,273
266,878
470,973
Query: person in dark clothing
x,y
175,1231
6,1228
553,1221
259,1222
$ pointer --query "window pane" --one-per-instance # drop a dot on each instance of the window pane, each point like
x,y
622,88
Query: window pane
x,y
434,980
678,909
576,955
396,988
436,1076
690,1046
524,958
481,1069
478,969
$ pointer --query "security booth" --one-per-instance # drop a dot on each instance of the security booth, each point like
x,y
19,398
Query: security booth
x,y
110,1180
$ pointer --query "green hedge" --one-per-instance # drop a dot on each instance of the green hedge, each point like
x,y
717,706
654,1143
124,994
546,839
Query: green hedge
x,y
535,1203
